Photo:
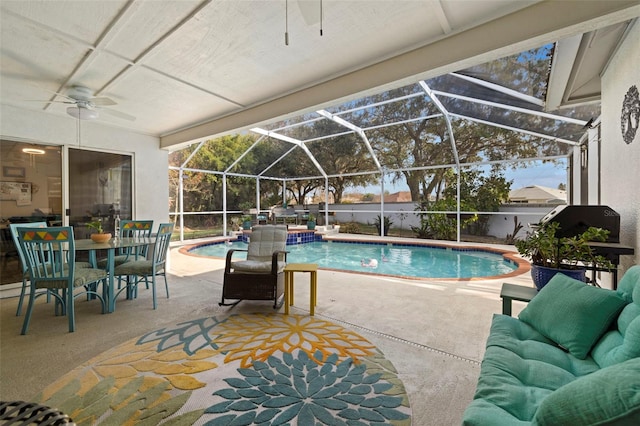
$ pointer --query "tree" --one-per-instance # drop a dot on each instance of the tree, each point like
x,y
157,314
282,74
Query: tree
x,y
413,144
203,191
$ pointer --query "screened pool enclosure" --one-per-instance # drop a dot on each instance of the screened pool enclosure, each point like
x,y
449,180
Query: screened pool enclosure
x,y
447,141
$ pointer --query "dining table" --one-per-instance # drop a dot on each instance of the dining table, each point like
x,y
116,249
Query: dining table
x,y
111,247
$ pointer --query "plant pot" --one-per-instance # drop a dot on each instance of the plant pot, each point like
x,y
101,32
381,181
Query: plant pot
x,y
100,238
311,225
541,274
246,225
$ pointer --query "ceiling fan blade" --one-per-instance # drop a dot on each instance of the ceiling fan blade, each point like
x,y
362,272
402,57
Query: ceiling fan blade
x,y
101,101
118,114
46,101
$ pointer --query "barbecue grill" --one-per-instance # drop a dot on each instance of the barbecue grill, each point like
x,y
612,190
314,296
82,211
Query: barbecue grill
x,y
574,220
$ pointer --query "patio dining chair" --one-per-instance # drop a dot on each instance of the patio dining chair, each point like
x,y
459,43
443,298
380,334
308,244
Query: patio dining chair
x,y
13,227
50,256
141,270
131,229
261,275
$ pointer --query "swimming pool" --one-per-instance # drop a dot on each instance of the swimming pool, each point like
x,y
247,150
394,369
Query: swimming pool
x,y
410,261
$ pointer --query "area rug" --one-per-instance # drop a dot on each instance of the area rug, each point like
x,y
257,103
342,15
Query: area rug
x,y
267,369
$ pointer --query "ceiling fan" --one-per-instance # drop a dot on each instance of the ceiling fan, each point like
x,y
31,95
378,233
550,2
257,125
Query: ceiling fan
x,y
86,106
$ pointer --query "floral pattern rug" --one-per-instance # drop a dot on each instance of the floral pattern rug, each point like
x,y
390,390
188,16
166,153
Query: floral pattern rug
x,y
267,369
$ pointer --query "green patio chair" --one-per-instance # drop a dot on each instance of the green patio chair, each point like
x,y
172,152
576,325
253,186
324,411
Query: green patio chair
x,y
131,229
137,271
50,256
25,269
13,227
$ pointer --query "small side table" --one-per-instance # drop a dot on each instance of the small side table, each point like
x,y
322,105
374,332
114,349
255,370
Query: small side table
x,y
288,284
511,292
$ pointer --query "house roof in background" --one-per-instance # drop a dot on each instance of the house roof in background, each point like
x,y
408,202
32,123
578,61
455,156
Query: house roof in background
x,y
538,194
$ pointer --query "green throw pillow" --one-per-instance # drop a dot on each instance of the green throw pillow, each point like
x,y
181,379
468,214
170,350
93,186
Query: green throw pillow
x,y
572,314
609,396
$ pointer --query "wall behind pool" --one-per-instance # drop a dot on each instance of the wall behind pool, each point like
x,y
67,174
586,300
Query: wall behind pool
x,y
620,162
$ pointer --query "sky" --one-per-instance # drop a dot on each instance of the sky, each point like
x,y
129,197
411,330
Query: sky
x,y
549,175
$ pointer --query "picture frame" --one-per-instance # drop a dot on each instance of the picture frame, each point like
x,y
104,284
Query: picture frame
x,y
15,172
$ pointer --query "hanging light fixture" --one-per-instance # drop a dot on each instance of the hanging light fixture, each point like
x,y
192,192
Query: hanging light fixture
x,y
286,19
82,113
33,151
286,22
320,18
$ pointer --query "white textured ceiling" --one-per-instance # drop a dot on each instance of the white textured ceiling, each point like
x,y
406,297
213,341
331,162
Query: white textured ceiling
x,y
189,69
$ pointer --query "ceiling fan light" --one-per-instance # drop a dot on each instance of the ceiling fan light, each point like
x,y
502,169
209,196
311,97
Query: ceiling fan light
x,y
33,151
82,113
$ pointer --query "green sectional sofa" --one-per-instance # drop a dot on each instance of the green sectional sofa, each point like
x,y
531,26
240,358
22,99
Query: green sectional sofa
x,y
572,357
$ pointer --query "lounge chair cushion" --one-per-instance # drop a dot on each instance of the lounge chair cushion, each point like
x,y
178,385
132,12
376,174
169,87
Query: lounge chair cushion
x,y
255,267
265,241
572,314
609,396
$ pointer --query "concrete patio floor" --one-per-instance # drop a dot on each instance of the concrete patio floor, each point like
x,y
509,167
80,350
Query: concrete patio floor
x,y
433,331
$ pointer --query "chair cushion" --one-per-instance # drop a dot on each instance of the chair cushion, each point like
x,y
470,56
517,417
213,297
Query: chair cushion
x,y
520,368
137,267
265,240
85,276
255,267
572,314
609,396
622,342
117,260
82,276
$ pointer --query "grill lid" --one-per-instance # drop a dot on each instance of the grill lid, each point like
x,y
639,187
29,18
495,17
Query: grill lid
x,y
574,220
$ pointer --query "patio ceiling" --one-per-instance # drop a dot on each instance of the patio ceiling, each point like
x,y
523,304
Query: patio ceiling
x,y
190,70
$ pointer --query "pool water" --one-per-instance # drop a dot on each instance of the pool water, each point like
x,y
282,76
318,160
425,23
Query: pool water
x,y
399,260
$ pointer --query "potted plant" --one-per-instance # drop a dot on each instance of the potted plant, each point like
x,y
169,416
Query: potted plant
x,y
99,236
246,222
311,221
550,254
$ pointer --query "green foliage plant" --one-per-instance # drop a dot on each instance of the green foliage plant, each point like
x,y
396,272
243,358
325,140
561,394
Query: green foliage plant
x,y
546,249
96,225
350,228
387,224
438,226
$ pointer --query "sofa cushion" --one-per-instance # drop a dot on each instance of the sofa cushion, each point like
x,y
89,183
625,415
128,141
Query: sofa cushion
x,y
572,314
609,396
520,368
623,341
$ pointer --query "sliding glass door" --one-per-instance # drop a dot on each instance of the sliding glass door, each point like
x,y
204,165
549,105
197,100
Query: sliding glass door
x,y
100,187
30,191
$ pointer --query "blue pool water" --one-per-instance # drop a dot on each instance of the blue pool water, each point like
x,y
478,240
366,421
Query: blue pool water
x,y
399,260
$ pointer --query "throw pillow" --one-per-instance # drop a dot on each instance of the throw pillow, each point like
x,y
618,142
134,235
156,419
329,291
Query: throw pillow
x,y
609,396
572,314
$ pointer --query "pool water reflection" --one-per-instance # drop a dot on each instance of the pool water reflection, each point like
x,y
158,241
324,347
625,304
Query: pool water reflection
x,y
389,259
